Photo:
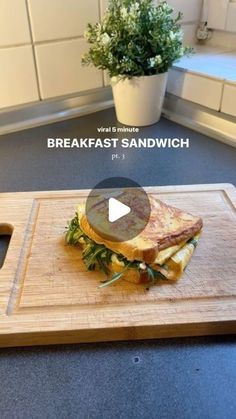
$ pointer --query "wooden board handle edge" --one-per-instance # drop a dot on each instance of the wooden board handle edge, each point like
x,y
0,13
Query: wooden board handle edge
x,y
6,229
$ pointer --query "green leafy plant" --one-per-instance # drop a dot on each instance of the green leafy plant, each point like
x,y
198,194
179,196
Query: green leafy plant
x,y
135,38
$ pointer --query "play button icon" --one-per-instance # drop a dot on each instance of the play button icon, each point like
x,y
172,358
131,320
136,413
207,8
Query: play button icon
x,y
118,209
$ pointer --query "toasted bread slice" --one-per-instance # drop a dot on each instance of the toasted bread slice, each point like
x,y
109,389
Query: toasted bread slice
x,y
172,270
167,226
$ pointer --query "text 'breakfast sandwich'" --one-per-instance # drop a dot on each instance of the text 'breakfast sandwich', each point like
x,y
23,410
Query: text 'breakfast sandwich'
x,y
160,252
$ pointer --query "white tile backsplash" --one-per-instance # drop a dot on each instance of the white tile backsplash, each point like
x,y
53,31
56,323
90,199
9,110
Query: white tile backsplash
x,y
58,59
191,9
14,26
217,13
58,19
198,89
231,18
17,76
189,38
60,70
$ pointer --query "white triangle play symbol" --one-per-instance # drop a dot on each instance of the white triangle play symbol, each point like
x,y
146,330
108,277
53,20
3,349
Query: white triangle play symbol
x,y
116,210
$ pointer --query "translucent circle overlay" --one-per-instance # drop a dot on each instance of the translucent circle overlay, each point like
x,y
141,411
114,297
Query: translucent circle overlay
x,y
127,192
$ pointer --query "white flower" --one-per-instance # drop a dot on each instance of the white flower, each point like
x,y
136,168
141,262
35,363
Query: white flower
x,y
172,36
152,62
134,7
105,39
126,63
124,12
165,6
86,35
155,61
134,10
158,59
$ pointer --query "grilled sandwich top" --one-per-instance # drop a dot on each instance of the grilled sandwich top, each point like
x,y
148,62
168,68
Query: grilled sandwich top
x,y
167,226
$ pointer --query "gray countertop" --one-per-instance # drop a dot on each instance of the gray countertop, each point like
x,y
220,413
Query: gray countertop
x,y
169,378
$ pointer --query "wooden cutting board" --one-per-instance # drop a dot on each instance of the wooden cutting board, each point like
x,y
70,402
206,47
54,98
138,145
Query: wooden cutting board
x,y
47,296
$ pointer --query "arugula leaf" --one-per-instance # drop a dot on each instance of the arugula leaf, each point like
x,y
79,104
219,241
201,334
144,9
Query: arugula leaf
x,y
74,232
114,278
154,276
159,275
98,255
151,275
194,242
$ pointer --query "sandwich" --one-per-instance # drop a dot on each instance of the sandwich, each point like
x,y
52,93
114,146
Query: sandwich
x,y
161,251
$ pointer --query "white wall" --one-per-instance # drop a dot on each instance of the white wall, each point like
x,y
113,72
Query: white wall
x,y
18,82
221,16
41,43
191,10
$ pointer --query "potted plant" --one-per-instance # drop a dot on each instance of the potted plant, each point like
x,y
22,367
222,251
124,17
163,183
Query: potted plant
x,y
136,42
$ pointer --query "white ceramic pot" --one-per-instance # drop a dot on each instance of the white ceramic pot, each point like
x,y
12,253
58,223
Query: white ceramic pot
x,y
139,101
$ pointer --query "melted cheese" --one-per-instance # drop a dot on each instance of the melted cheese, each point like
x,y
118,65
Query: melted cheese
x,y
165,254
174,267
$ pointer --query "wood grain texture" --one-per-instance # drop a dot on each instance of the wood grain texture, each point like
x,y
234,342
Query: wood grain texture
x,y
47,296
